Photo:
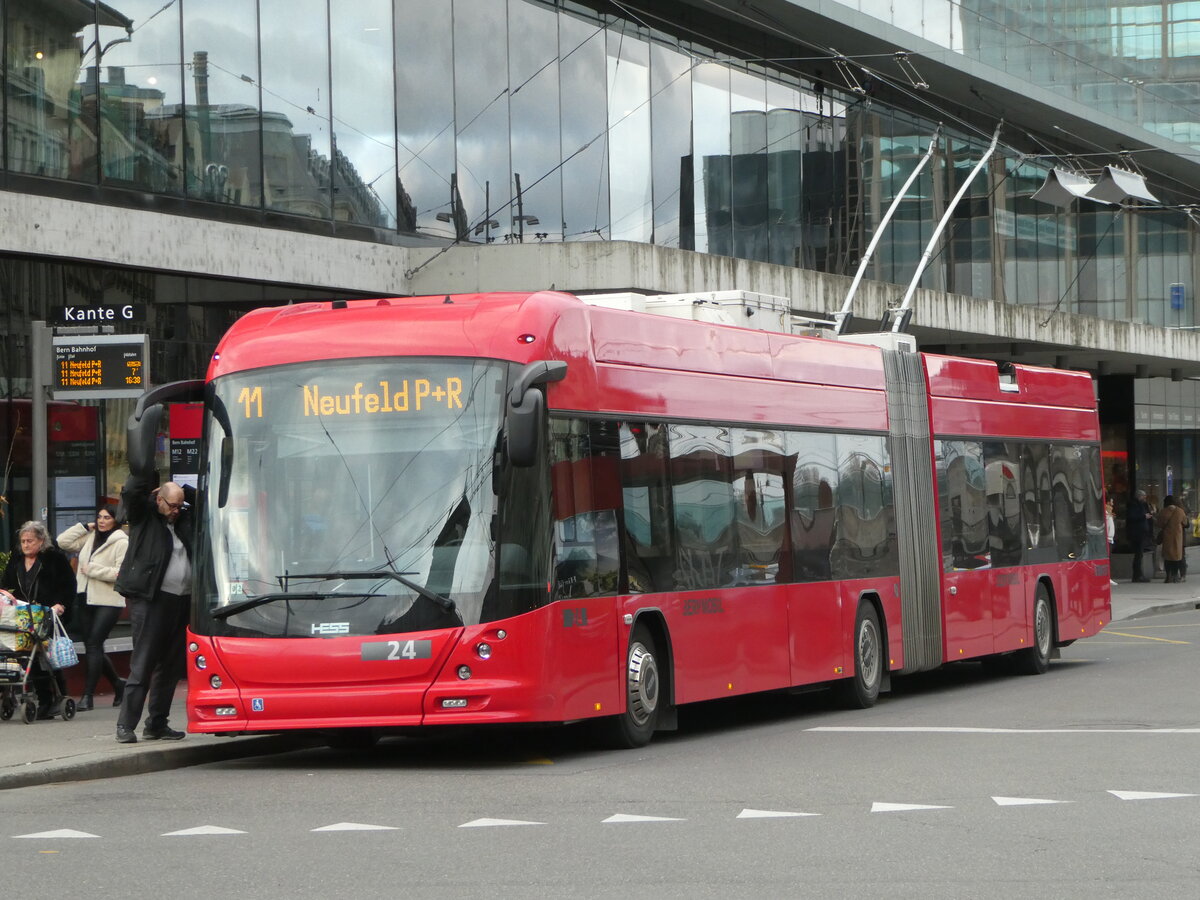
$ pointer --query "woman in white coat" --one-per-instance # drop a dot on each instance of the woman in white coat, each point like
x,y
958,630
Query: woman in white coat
x,y
101,547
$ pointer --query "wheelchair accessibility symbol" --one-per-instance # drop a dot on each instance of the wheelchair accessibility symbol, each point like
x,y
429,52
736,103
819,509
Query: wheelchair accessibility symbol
x,y
257,704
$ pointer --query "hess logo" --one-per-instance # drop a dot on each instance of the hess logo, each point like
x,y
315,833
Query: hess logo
x,y
325,628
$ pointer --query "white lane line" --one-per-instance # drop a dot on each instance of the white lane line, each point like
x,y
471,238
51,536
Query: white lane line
x,y
1025,801
354,826
202,829
1145,795
770,814
902,807
622,818
495,823
946,729
60,833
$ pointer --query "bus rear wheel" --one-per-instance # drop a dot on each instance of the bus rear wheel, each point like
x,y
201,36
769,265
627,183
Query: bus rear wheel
x,y
634,727
1035,660
862,690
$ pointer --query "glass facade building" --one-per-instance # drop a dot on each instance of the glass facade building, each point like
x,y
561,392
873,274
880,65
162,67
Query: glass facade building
x,y
432,122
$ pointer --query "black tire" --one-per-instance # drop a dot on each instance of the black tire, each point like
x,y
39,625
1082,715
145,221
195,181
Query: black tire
x,y
28,712
1035,660
862,690
68,710
7,708
643,696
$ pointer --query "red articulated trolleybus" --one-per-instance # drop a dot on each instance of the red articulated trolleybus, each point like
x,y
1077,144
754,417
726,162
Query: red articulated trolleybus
x,y
500,508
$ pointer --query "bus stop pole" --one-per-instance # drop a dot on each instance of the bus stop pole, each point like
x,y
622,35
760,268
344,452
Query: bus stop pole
x,y
39,383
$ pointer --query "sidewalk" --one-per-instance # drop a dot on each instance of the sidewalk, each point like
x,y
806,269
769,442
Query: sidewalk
x,y
85,748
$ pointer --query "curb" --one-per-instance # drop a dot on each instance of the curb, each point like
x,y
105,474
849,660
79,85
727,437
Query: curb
x,y
1175,606
113,764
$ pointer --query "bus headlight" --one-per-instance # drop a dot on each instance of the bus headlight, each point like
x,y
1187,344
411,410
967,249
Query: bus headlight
x,y
464,672
215,681
484,650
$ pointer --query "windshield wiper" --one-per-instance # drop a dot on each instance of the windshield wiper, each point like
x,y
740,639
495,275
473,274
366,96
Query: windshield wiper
x,y
259,599
444,602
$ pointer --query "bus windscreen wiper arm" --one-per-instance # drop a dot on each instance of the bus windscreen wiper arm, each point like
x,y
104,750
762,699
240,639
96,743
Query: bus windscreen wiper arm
x,y
259,599
444,602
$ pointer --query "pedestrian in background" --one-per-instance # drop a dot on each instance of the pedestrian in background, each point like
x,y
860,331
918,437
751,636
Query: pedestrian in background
x,y
1110,529
1170,537
41,574
101,547
1139,524
156,580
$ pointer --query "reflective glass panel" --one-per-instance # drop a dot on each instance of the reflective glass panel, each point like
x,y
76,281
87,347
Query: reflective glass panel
x,y
629,134
485,183
220,50
703,501
51,109
812,518
364,157
295,101
671,142
785,135
582,54
748,164
710,138
424,115
533,109
140,83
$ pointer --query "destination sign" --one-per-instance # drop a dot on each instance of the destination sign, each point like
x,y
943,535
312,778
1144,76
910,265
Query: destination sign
x,y
407,395
100,366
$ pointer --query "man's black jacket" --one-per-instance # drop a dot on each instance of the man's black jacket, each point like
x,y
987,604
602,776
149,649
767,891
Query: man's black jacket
x,y
150,542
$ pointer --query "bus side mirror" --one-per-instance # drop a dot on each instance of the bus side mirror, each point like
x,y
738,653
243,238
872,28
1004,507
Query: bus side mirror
x,y
141,433
527,409
142,428
524,426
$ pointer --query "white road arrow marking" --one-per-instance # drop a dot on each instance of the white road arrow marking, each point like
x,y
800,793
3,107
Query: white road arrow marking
x,y
354,826
492,823
1024,801
1145,795
770,814
622,818
902,807
202,829
60,833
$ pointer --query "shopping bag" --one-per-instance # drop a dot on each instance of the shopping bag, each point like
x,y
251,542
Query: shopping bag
x,y
60,651
23,617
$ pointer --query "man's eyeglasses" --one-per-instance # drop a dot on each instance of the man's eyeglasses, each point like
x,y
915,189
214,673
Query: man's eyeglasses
x,y
171,505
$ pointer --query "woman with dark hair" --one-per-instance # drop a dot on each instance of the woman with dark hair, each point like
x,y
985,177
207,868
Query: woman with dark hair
x,y
101,546
41,574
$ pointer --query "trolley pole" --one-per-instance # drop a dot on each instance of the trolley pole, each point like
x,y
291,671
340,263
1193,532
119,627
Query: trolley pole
x,y
39,383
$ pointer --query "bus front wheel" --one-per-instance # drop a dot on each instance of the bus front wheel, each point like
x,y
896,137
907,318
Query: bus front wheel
x,y
862,690
634,727
1036,659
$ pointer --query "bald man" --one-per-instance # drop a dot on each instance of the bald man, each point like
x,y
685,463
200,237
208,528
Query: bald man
x,y
156,581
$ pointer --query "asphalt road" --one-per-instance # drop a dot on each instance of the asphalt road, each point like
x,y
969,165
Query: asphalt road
x,y
1084,782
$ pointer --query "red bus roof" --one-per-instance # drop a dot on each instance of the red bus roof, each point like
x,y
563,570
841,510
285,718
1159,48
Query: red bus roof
x,y
630,363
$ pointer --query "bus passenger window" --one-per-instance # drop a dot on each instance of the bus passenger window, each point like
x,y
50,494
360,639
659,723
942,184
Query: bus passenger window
x,y
645,494
759,461
703,502
1003,502
585,473
812,517
962,507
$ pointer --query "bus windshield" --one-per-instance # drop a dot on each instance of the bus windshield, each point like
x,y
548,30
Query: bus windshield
x,y
349,497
